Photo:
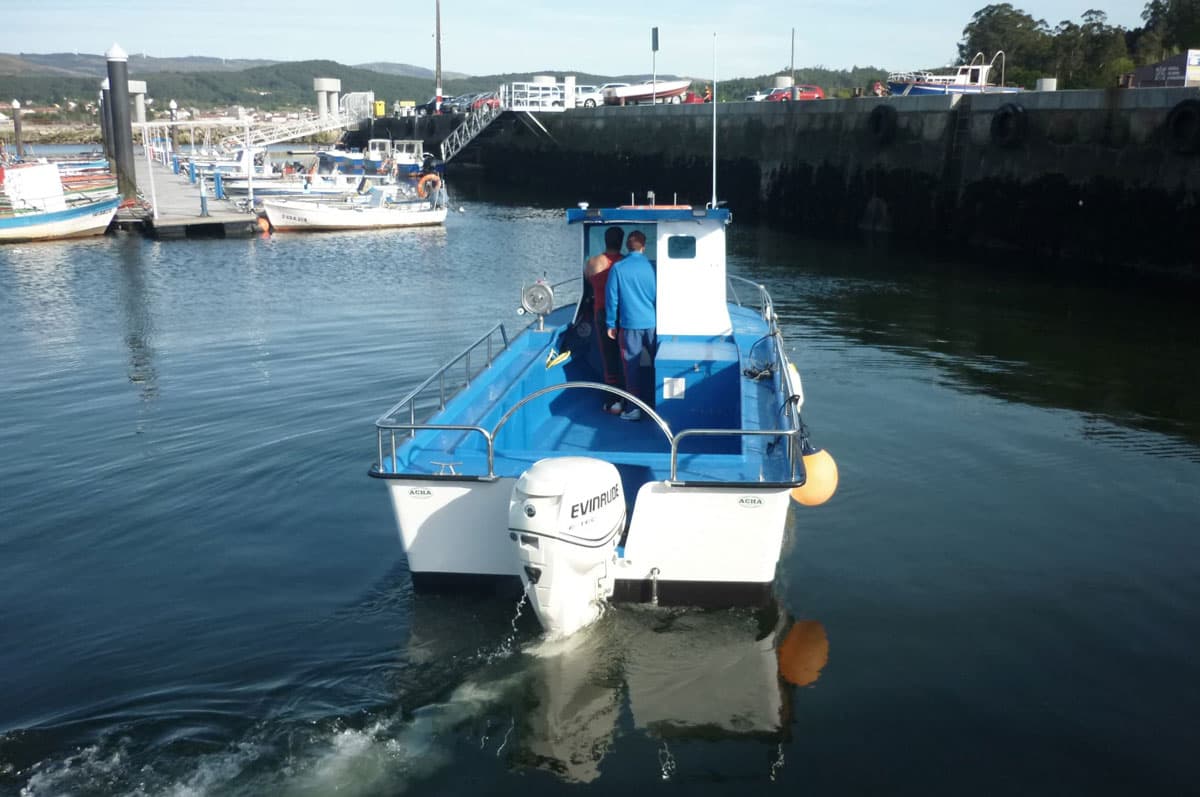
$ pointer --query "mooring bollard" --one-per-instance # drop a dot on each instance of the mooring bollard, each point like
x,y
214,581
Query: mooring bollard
x,y
218,187
192,172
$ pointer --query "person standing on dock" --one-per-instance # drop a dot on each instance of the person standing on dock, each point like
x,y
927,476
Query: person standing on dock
x,y
632,296
596,272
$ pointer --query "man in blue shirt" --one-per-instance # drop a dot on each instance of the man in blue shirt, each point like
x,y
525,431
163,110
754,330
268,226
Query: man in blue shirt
x,y
630,316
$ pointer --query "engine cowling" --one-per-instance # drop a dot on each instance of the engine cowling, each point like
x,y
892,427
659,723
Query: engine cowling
x,y
566,516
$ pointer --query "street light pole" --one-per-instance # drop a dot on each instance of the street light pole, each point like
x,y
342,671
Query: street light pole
x,y
437,68
654,66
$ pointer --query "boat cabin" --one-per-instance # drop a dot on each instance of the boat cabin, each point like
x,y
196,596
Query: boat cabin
x,y
696,368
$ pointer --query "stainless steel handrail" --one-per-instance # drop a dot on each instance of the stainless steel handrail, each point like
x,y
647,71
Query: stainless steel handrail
x,y
384,421
790,434
417,427
766,304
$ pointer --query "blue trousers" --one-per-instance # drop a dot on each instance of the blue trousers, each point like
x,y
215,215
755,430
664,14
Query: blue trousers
x,y
638,380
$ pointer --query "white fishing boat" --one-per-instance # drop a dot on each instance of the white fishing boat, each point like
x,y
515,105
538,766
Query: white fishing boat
x,y
523,474
34,206
377,209
650,91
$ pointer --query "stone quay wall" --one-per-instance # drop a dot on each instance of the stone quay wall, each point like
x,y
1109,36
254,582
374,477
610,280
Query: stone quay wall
x,y
1093,176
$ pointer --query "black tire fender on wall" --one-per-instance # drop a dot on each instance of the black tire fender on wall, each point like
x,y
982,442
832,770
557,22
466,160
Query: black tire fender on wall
x,y
881,124
1183,127
1009,125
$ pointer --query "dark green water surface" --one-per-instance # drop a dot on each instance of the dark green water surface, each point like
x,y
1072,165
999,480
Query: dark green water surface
x,y
202,593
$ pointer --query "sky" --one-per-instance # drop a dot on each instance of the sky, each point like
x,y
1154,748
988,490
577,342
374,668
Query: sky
x,y
481,37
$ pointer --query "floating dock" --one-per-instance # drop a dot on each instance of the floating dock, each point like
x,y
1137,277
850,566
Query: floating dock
x,y
174,208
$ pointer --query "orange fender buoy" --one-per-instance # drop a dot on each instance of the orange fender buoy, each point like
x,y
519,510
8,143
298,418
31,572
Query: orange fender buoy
x,y
803,652
264,224
821,479
426,181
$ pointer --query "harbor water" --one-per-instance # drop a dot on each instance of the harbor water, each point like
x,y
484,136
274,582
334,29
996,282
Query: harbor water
x,y
202,592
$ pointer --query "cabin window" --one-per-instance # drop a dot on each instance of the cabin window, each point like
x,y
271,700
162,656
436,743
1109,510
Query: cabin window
x,y
974,75
681,247
594,240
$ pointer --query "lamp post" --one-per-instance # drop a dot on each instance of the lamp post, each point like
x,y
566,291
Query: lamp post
x,y
437,66
654,66
16,106
173,108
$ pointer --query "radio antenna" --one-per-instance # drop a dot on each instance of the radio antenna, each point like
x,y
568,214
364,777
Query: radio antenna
x,y
713,202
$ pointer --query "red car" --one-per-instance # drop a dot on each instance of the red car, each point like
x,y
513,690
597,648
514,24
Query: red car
x,y
802,93
487,99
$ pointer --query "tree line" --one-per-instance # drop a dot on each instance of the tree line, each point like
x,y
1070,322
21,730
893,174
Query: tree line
x,y
1086,54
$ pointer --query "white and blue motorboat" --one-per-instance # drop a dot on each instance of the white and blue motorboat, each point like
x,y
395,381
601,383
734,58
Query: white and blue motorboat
x,y
521,473
34,206
972,78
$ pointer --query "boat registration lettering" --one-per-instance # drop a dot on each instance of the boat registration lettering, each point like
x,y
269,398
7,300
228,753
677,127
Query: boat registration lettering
x,y
750,502
596,501
420,492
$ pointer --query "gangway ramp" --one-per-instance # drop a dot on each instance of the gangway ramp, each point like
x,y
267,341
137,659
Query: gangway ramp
x,y
353,109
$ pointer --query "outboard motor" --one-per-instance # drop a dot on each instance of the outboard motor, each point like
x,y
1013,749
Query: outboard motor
x,y
566,516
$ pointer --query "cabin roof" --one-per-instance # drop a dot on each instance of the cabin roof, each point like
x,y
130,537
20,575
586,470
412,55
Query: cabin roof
x,y
644,214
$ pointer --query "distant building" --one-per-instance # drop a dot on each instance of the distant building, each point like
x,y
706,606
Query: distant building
x,y
1178,70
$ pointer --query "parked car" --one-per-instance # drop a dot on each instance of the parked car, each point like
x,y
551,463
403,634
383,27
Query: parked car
x,y
802,93
758,96
588,96
430,107
485,99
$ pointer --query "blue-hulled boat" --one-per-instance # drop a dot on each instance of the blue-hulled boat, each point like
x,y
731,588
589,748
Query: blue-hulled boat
x,y
35,207
519,472
972,78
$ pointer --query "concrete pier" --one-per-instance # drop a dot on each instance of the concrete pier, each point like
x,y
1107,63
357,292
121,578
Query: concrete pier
x,y
1096,176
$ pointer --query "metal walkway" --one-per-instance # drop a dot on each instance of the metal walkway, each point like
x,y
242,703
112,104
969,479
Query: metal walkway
x,y
353,109
472,125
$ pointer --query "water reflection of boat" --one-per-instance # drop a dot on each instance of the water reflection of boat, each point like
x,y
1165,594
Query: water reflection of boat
x,y
687,676
710,692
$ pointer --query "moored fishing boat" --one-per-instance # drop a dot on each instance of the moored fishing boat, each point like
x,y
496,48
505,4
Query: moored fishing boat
x,y
377,209
972,78
523,474
35,207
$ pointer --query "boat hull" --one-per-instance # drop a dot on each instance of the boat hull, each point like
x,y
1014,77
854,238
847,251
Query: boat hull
x,y
74,222
294,215
938,89
663,90
685,545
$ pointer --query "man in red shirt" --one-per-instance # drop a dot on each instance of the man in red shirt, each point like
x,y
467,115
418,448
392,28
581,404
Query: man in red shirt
x,y
596,272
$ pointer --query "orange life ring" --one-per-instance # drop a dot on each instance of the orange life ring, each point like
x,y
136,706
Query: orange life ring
x,y
422,191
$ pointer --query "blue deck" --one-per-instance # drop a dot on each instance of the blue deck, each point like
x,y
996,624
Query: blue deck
x,y
573,422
